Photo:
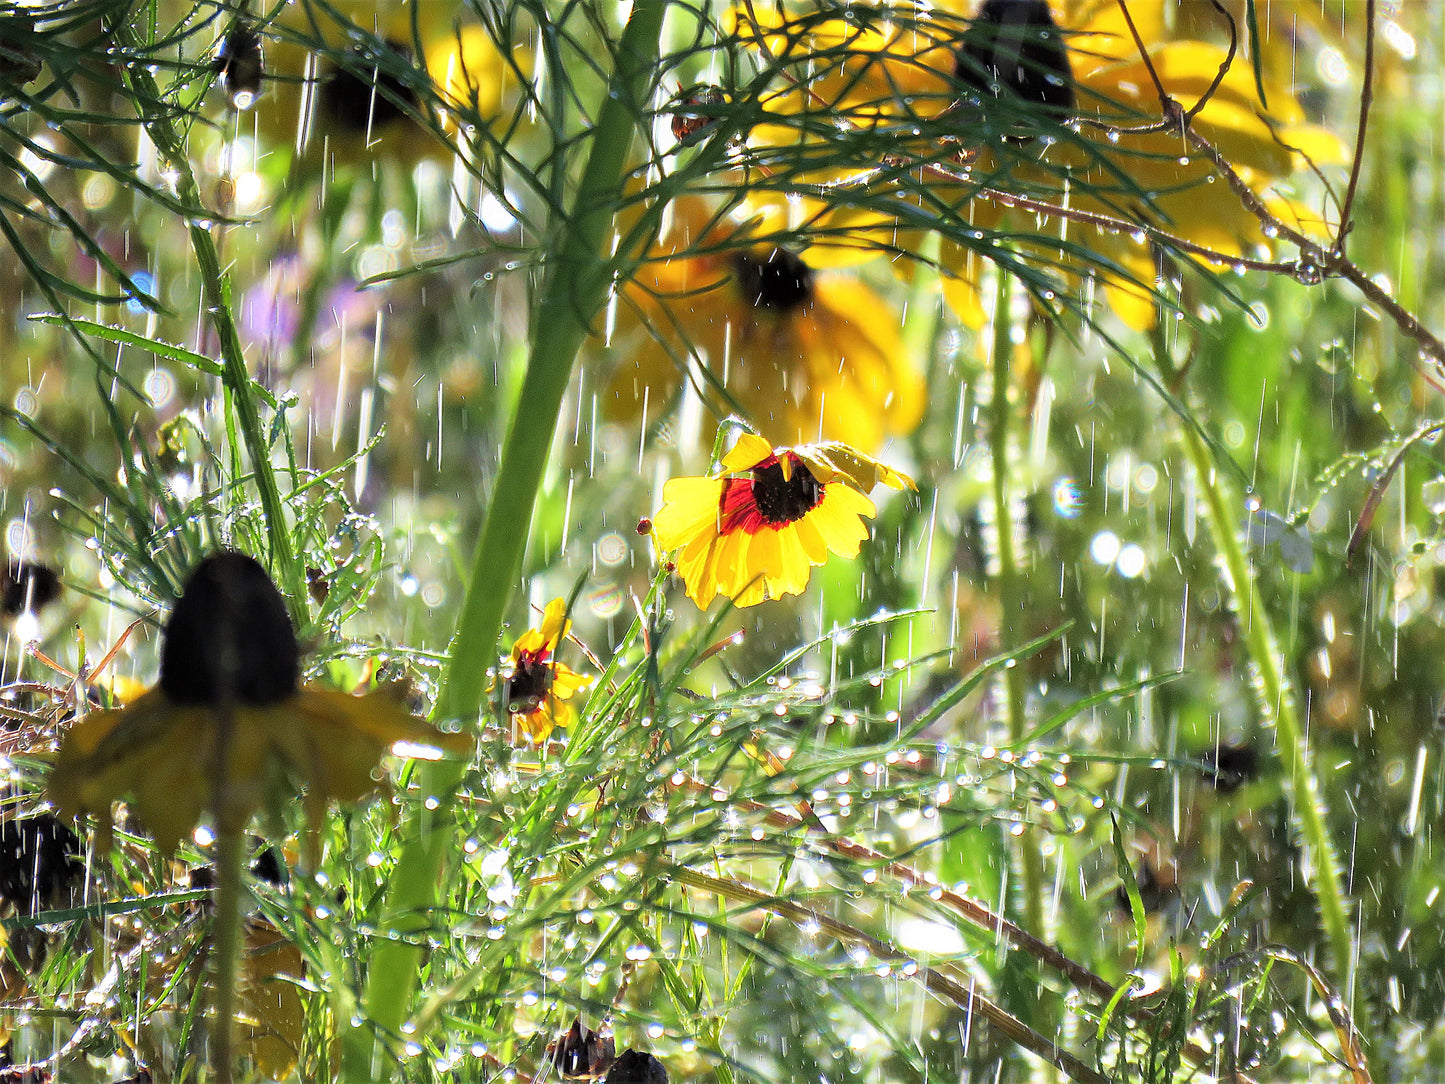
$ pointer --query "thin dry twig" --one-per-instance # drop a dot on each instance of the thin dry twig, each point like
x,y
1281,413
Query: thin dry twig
x,y
1315,262
966,997
975,913
1367,97
1382,483
1352,1051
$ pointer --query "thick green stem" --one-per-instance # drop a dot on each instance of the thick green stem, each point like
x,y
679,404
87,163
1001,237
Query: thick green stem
x,y
226,936
1277,704
157,118
578,276
1010,588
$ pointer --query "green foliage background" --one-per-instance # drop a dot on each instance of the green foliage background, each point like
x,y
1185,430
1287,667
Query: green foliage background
x,y
711,862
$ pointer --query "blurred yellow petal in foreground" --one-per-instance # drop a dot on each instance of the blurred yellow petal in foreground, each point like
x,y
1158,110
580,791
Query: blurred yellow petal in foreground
x,y
228,729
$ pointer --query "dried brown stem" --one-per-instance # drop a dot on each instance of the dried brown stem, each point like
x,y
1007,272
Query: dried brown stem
x,y
1225,65
1315,262
964,996
973,912
1382,483
1351,1050
1367,97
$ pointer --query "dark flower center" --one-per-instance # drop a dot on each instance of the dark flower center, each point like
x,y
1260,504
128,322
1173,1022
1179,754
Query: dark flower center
x,y
530,682
782,500
1229,767
229,639
39,858
242,66
364,95
25,585
19,62
1013,46
582,1055
637,1067
780,280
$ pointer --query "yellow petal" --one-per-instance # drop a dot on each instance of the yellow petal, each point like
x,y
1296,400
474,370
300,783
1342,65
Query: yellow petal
x,y
835,461
555,626
271,1015
748,452
690,508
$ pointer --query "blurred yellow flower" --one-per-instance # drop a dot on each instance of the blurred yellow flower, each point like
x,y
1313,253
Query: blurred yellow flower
x,y
802,354
270,1014
229,728
1006,61
537,690
354,83
757,528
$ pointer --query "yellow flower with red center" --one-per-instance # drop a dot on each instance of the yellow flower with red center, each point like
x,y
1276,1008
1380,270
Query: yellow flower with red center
x,y
758,528
229,728
802,354
1022,67
537,690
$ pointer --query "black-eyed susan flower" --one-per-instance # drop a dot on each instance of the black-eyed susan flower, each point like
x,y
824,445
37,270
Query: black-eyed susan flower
x,y
358,81
804,354
537,689
229,728
757,528
958,62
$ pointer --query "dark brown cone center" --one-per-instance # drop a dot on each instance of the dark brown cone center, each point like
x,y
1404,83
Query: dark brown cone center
x,y
1015,47
530,682
780,280
229,639
785,500
364,95
242,65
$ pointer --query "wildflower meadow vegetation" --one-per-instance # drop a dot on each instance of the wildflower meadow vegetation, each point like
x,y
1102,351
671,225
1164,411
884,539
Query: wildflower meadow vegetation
x,y
739,541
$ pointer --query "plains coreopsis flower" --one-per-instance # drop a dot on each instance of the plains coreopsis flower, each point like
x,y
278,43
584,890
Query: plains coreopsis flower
x,y
229,727
757,528
537,690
